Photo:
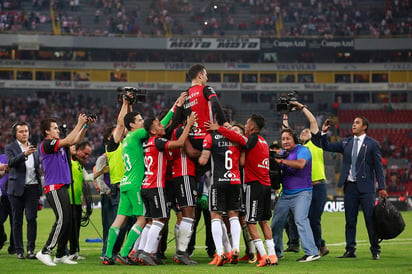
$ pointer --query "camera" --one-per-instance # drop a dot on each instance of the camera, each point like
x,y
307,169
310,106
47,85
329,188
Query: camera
x,y
283,102
91,116
63,129
139,95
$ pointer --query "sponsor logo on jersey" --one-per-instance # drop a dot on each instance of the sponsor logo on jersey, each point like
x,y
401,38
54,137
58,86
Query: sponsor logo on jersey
x,y
264,164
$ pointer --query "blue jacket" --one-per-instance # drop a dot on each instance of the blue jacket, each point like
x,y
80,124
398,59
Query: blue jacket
x,y
368,164
17,174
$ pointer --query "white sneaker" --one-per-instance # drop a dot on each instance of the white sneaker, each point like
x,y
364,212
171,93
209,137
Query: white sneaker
x,y
63,260
45,258
76,256
308,258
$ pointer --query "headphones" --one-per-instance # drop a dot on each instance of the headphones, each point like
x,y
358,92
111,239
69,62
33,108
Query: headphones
x,y
14,127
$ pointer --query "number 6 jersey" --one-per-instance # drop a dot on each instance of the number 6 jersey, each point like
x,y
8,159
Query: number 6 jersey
x,y
224,158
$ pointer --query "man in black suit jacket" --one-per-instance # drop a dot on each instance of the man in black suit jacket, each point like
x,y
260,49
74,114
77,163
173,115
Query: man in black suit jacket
x,y
358,181
23,187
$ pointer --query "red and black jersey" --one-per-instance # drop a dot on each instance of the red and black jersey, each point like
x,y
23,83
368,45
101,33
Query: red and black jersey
x,y
257,155
155,161
224,158
182,165
199,101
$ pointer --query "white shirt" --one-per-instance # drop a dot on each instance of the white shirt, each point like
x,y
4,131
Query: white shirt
x,y
360,142
30,170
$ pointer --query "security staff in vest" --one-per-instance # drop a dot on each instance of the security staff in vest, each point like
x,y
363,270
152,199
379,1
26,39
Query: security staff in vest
x,y
23,187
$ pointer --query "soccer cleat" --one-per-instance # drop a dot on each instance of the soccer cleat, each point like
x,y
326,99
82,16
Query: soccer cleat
x,y
221,260
45,258
264,261
124,260
214,261
158,259
183,258
308,258
273,259
107,261
147,258
244,258
234,259
253,260
63,260
134,256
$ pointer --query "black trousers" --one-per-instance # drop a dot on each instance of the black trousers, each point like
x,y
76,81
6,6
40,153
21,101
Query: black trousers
x,y
75,231
26,204
59,234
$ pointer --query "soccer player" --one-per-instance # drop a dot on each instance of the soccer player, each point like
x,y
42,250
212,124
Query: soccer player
x,y
130,199
153,195
225,191
257,179
203,101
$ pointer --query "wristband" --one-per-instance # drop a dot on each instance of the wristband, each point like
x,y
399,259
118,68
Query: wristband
x,y
302,107
285,117
281,161
84,126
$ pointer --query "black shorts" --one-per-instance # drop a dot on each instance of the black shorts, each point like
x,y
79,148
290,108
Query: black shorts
x,y
224,197
258,202
186,191
154,200
171,196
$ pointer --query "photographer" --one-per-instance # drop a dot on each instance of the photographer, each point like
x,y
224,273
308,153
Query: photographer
x,y
296,196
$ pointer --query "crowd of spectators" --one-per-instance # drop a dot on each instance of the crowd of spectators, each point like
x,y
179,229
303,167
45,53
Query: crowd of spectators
x,y
13,18
65,107
245,17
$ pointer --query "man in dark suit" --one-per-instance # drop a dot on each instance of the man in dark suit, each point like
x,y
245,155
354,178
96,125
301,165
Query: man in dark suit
x,y
361,168
23,187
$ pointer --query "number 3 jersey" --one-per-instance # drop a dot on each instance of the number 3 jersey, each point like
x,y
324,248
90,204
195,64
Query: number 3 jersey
x,y
224,158
156,156
132,153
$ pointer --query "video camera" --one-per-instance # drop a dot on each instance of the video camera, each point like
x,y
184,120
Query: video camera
x,y
275,172
139,95
283,102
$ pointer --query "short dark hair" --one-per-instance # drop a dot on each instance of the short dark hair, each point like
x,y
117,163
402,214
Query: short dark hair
x,y
194,71
148,123
106,135
291,133
365,121
15,125
242,127
45,124
82,145
258,119
129,118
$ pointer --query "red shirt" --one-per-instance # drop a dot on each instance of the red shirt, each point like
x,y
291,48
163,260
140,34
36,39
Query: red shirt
x,y
182,165
257,155
155,161
199,101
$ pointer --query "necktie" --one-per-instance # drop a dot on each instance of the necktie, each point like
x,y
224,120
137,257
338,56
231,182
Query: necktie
x,y
354,156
